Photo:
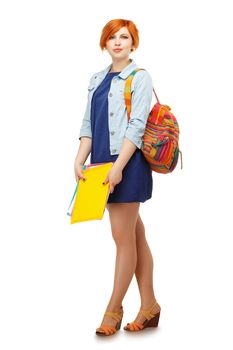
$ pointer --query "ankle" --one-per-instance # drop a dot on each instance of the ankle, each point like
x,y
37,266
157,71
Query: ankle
x,y
149,303
114,307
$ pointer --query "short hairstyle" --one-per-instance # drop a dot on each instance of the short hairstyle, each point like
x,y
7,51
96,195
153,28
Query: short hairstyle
x,y
116,24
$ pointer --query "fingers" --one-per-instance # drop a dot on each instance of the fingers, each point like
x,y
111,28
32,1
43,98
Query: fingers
x,y
106,181
111,185
79,176
83,177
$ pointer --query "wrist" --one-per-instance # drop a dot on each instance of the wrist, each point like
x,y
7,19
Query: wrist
x,y
79,162
118,166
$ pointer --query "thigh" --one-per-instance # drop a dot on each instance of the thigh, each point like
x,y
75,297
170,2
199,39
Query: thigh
x,y
139,224
123,218
140,229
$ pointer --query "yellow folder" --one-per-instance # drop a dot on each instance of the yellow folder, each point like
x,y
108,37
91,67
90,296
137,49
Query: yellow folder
x,y
91,194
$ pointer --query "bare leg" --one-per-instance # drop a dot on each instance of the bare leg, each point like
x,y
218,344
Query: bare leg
x,y
144,270
123,217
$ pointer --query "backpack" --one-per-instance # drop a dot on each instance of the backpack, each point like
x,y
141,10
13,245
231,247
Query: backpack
x,y
160,142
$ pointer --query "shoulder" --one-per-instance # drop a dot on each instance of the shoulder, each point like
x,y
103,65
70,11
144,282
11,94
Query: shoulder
x,y
96,76
142,78
92,78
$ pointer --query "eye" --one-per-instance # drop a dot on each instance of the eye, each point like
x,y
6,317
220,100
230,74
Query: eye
x,y
124,37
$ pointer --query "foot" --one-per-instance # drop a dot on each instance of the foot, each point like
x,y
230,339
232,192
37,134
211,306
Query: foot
x,y
140,318
110,322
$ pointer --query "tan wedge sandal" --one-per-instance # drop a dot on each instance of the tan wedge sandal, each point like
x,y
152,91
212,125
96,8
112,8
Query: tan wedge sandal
x,y
106,330
152,320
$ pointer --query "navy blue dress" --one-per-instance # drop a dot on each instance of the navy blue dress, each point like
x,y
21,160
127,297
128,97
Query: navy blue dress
x,y
137,182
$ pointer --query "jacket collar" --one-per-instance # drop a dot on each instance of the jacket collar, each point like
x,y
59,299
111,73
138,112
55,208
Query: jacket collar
x,y
124,73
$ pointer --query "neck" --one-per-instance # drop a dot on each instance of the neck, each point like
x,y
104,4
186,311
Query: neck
x,y
119,65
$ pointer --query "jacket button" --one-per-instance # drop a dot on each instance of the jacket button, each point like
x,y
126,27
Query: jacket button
x,y
112,132
110,94
111,114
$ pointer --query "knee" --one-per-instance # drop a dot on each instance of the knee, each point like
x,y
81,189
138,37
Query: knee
x,y
124,237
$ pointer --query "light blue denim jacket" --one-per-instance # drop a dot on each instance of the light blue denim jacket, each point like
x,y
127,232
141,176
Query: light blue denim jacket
x,y
119,127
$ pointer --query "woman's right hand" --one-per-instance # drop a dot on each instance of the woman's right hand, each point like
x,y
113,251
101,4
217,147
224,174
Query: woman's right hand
x,y
78,170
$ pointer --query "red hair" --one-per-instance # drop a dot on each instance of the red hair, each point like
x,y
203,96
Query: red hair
x,y
116,24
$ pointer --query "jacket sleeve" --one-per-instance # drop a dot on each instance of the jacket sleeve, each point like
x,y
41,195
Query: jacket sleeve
x,y
140,107
85,129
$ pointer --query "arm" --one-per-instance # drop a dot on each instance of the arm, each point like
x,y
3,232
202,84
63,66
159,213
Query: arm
x,y
85,135
114,176
140,109
85,129
127,150
84,150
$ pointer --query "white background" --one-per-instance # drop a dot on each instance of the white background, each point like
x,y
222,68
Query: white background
x,y
56,278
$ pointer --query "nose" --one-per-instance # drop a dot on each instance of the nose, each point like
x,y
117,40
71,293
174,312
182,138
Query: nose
x,y
117,41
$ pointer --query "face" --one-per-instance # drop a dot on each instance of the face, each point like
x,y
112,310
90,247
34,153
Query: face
x,y
120,40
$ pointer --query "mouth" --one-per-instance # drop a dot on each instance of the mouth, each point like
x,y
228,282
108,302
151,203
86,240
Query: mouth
x,y
117,50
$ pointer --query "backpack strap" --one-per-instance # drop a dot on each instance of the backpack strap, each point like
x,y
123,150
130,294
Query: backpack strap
x,y
127,91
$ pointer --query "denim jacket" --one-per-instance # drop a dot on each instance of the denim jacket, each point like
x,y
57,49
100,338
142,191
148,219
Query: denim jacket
x,y
119,126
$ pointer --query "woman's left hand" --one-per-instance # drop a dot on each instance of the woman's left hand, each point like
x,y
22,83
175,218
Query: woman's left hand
x,y
114,177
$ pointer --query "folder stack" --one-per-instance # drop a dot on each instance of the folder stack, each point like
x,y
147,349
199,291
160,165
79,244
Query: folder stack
x,y
90,196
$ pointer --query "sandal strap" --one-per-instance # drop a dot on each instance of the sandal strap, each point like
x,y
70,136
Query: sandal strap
x,y
117,316
147,313
107,329
134,326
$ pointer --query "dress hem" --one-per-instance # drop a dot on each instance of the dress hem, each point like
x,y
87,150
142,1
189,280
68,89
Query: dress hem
x,y
130,201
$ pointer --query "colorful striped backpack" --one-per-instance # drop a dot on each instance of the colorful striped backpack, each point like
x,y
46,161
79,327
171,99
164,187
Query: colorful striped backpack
x,y
160,142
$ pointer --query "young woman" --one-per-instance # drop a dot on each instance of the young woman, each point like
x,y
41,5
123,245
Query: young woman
x,y
107,134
